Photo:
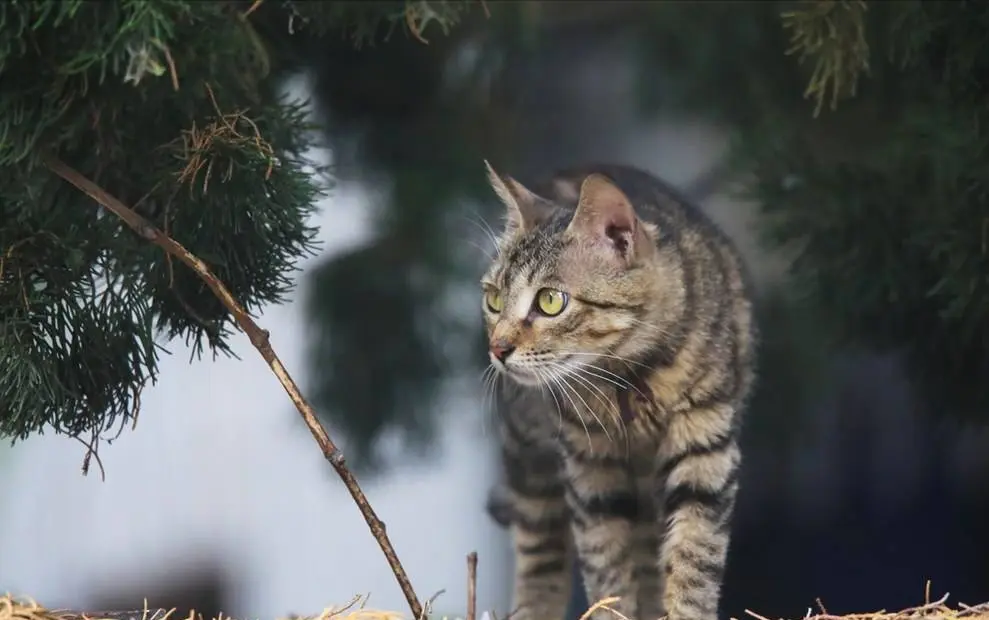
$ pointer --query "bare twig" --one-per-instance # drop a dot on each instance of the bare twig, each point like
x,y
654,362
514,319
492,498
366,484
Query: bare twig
x,y
92,449
603,604
260,339
472,585
254,6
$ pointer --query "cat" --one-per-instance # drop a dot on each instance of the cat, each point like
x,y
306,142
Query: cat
x,y
622,348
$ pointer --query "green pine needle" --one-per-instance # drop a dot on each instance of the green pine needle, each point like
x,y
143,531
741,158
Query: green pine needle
x,y
171,106
831,33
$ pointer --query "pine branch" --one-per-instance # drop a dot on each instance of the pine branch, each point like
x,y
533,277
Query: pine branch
x,y
260,339
832,34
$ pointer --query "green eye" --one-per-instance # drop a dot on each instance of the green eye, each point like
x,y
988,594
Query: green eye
x,y
550,301
494,301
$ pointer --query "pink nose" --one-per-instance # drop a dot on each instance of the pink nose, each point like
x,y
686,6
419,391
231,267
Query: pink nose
x,y
501,349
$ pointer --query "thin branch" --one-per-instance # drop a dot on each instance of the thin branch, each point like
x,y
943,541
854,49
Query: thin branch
x,y
92,449
260,339
472,585
252,8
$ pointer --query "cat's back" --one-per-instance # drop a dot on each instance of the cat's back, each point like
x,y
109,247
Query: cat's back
x,y
679,220
652,196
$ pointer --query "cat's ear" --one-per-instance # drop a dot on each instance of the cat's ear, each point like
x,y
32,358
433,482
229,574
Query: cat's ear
x,y
605,216
525,209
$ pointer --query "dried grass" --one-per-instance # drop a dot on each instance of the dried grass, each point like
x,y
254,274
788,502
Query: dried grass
x,y
25,609
930,610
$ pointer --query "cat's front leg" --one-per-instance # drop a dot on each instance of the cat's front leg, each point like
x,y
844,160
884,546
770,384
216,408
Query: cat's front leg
x,y
699,482
648,579
603,506
542,561
539,521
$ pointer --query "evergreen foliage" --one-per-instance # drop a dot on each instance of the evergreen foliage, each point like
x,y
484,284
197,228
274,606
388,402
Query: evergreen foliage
x,y
384,335
858,126
877,187
173,107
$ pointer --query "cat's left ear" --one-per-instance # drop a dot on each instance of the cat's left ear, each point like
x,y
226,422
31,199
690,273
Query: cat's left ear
x,y
605,217
525,209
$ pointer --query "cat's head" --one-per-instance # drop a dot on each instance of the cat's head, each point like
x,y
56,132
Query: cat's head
x,y
573,290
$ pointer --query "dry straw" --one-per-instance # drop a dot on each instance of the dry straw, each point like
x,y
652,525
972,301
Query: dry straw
x,y
25,609
930,610
937,610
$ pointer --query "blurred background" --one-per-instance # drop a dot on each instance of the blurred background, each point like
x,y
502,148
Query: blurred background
x,y
867,461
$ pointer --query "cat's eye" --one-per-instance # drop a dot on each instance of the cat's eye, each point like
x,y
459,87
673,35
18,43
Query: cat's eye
x,y
551,302
493,300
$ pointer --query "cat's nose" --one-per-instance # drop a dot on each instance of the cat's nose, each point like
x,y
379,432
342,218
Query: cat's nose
x,y
501,349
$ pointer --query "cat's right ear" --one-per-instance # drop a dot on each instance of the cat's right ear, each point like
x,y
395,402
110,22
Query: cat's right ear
x,y
606,218
525,209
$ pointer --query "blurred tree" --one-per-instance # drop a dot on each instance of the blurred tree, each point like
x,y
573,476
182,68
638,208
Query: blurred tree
x,y
385,331
412,128
846,180
173,107
877,187
858,127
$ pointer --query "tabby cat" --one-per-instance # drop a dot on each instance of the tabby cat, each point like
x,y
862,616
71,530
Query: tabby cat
x,y
622,319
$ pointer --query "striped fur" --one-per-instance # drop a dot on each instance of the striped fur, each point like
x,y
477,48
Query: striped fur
x,y
620,416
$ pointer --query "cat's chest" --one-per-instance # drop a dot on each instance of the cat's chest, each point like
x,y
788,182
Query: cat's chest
x,y
629,414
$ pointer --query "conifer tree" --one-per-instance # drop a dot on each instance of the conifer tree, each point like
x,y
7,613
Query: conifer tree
x,y
860,129
173,107
857,127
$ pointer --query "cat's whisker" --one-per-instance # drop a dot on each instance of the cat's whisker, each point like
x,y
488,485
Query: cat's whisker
x,y
565,375
623,360
616,413
492,235
559,405
542,384
603,399
561,381
489,378
484,388
656,329
619,358
486,229
598,392
487,253
491,390
618,381
549,388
